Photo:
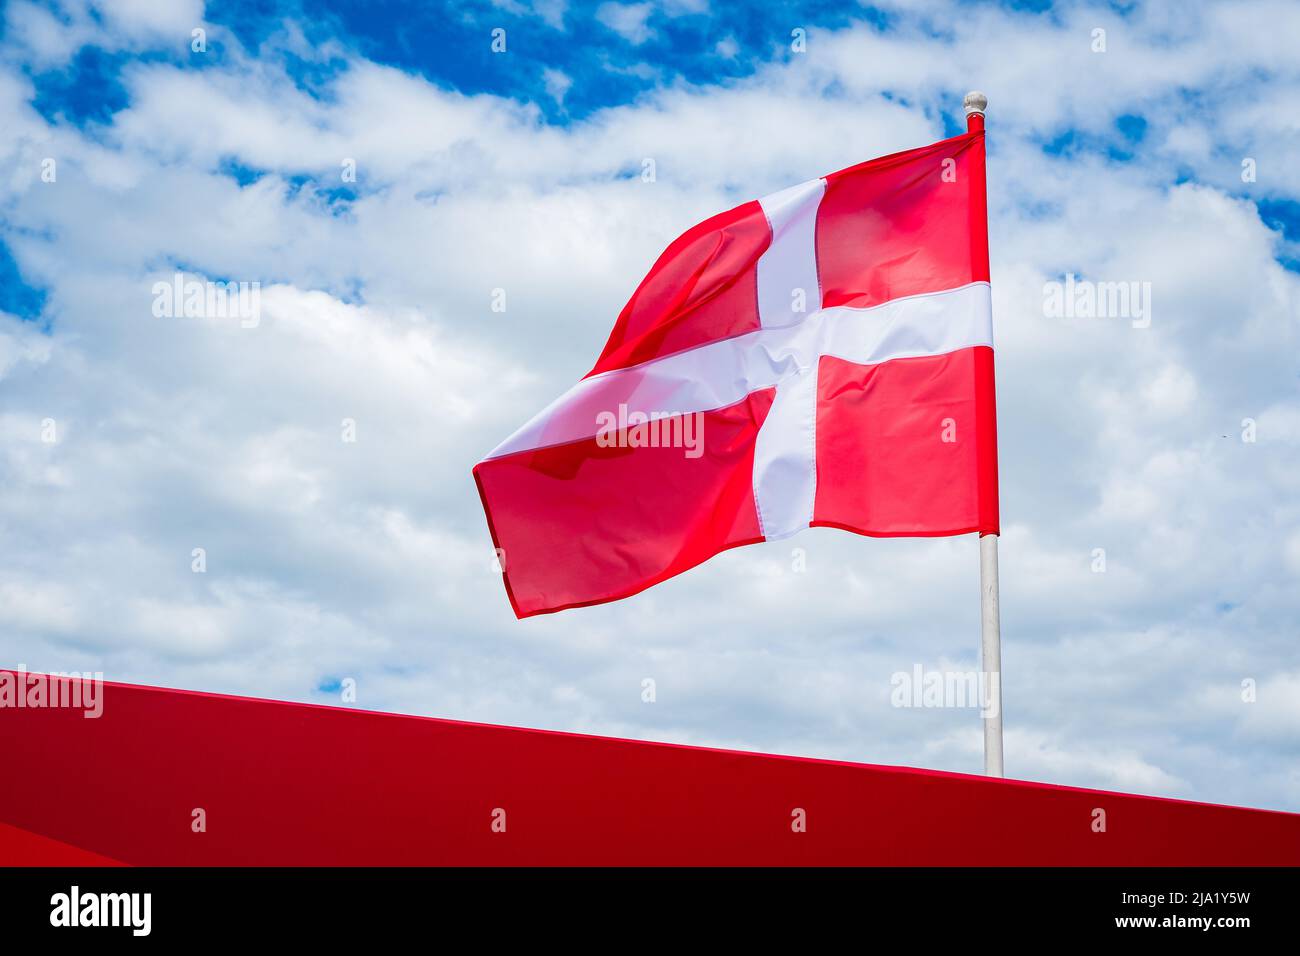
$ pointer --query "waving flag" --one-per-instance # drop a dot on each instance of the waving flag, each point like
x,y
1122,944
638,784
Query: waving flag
x,y
821,356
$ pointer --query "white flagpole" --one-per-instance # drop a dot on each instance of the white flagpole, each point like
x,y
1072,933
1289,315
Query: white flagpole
x,y
990,620
991,655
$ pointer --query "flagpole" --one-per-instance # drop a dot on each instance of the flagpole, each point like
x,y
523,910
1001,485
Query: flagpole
x,y
990,619
991,655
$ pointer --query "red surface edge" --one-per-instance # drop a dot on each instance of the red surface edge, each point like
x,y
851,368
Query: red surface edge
x,y
302,784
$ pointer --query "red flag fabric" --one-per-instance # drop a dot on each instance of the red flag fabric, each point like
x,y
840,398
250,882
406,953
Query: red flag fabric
x,y
821,356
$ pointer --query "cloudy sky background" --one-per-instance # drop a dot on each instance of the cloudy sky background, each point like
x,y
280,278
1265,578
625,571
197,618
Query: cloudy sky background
x,y
371,560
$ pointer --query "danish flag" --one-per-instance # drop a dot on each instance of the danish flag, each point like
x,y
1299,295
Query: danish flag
x,y
827,354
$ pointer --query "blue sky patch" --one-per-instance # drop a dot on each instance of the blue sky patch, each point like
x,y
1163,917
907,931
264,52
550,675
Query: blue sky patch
x,y
88,90
1282,215
17,296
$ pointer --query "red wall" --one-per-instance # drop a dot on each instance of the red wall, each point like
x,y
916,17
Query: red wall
x,y
300,784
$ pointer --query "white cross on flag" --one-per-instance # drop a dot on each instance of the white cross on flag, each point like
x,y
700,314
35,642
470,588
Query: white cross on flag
x,y
820,357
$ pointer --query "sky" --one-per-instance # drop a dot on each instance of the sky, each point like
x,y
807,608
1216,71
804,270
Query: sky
x,y
1150,471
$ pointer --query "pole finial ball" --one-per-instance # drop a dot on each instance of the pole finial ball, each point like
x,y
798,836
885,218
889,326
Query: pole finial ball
x,y
975,102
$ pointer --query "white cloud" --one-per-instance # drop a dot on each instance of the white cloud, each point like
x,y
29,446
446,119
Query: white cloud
x,y
557,83
628,20
149,20
550,12
49,40
727,48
